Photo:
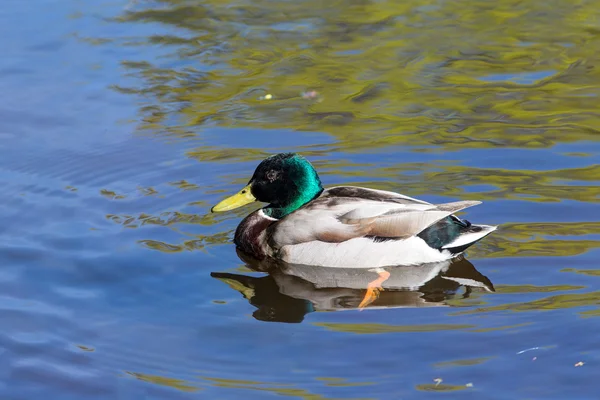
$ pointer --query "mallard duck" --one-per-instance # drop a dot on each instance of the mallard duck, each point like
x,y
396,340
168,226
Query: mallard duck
x,y
344,226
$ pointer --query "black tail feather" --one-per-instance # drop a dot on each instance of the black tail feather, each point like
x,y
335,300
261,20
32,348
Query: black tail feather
x,y
445,231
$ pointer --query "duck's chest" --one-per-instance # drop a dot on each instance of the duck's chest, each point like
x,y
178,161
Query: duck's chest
x,y
251,234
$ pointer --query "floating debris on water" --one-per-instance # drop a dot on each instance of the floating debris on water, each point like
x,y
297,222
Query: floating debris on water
x,y
579,364
469,384
530,349
266,97
310,94
438,381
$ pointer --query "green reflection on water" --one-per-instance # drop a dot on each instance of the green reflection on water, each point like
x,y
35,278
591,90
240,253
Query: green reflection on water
x,y
383,76
563,301
463,363
432,387
164,381
535,289
276,388
588,272
388,328
341,382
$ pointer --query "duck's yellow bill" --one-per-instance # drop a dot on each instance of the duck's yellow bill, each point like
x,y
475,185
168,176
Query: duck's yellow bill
x,y
239,199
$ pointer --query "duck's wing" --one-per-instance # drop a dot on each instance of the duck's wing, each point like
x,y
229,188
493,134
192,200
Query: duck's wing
x,y
369,194
335,217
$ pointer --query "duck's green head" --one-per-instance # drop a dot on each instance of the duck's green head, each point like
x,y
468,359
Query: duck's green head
x,y
286,181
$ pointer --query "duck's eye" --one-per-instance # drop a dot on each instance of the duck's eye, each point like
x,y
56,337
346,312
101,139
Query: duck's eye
x,y
272,175
244,191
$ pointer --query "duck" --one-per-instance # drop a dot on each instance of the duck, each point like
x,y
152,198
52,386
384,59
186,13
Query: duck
x,y
344,226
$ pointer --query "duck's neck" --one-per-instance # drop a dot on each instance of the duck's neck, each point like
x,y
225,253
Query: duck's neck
x,y
305,196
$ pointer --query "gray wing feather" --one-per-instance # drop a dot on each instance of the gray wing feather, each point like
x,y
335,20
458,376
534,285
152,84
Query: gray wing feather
x,y
406,223
369,194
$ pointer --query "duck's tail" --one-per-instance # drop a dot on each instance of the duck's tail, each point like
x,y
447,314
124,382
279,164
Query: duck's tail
x,y
454,234
467,237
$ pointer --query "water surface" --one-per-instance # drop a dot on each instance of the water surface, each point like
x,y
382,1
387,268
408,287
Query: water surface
x,y
123,122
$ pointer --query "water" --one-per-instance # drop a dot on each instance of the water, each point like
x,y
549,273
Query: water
x,y
123,122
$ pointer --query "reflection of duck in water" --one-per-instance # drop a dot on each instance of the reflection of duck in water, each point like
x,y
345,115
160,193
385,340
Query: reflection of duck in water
x,y
344,226
291,291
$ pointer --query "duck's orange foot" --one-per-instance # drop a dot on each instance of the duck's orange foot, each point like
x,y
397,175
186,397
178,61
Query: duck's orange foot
x,y
374,288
